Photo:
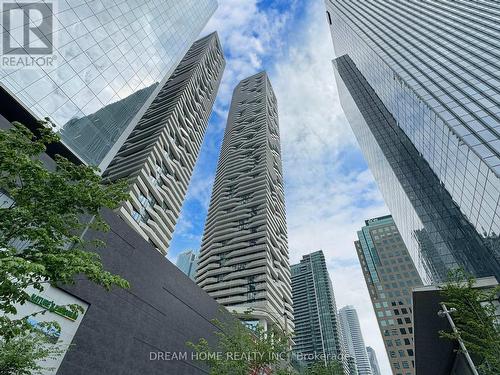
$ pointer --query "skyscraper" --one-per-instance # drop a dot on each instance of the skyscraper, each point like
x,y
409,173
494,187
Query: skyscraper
x,y
372,356
420,90
109,60
315,313
187,262
390,275
351,333
159,155
243,260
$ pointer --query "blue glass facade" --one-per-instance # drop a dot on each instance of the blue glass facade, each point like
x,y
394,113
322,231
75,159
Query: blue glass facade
x,y
112,57
435,231
434,66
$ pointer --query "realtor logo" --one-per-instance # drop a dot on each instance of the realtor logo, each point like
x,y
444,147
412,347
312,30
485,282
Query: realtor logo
x,y
27,35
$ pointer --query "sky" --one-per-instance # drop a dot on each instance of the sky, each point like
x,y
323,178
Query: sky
x,y
329,190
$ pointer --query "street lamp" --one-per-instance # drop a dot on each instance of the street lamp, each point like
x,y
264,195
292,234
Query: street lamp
x,y
447,313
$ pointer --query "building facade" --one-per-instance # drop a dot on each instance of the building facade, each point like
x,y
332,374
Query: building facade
x,y
314,310
158,157
243,259
390,275
431,133
372,356
128,331
187,262
354,342
109,60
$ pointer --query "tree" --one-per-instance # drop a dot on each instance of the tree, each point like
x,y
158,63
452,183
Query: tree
x,y
330,368
475,318
23,354
42,215
244,351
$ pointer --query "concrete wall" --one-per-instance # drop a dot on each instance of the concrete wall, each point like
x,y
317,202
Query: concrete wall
x,y
160,312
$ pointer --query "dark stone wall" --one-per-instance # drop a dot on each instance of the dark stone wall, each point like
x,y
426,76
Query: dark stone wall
x,y
433,354
160,312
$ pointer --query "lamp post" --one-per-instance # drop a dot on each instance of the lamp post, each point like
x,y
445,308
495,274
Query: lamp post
x,y
447,313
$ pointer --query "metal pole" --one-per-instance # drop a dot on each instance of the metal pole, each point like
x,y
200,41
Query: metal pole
x,y
447,312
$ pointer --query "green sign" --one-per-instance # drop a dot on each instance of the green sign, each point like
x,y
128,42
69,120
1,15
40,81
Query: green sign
x,y
52,307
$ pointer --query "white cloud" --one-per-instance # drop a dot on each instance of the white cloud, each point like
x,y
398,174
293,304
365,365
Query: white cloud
x,y
248,34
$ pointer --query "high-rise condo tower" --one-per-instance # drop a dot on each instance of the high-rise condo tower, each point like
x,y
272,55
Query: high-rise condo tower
x,y
419,83
158,157
243,260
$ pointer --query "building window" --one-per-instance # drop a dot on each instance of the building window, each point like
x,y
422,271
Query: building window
x,y
240,267
407,320
143,200
136,216
410,352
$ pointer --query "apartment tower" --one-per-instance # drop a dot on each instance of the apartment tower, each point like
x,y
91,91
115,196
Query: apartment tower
x,y
418,81
187,262
372,356
314,309
159,155
243,261
353,339
390,276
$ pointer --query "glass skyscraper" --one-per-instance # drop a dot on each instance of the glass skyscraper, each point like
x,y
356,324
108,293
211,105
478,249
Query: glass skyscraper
x,y
316,323
419,83
111,57
187,262
390,275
